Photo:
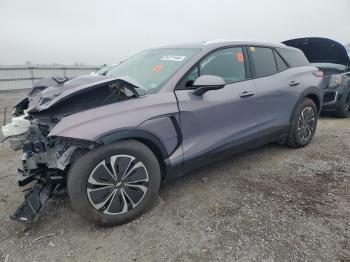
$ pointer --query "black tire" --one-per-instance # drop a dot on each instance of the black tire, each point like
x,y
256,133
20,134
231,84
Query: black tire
x,y
92,180
295,138
343,107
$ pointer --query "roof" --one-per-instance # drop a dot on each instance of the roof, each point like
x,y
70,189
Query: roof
x,y
213,44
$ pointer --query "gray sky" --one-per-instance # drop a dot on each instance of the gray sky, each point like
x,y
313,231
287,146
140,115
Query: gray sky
x,y
107,31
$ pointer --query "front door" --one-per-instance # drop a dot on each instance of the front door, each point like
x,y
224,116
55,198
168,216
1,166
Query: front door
x,y
219,119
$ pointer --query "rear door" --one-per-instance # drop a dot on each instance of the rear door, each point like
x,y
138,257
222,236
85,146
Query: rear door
x,y
276,84
219,119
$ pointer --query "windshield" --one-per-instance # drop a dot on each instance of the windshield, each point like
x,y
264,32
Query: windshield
x,y
105,69
152,68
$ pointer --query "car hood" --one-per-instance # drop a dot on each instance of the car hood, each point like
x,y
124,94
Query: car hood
x,y
321,50
51,91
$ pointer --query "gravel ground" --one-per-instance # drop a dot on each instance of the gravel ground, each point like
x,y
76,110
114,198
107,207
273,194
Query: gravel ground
x,y
269,204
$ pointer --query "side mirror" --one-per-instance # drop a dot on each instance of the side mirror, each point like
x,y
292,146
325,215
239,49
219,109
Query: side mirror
x,y
206,83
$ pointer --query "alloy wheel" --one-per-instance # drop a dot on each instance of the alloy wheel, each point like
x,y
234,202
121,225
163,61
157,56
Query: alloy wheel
x,y
306,124
117,184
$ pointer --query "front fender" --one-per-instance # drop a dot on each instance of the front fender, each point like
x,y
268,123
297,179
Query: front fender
x,y
163,132
152,117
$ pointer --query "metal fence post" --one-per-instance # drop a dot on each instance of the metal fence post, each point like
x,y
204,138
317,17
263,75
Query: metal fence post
x,y
32,74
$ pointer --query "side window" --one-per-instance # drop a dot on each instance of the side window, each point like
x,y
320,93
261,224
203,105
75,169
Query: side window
x,y
281,65
293,57
190,78
226,63
264,61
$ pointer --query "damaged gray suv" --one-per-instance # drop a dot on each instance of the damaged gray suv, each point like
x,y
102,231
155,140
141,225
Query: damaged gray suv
x,y
112,139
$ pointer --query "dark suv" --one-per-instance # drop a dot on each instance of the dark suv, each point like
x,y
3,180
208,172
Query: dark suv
x,y
333,59
113,139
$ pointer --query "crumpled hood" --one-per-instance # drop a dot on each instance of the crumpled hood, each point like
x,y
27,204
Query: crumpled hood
x,y
321,50
50,91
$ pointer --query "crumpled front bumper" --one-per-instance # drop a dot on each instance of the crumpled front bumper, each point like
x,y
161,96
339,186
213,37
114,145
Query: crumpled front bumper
x,y
44,166
36,199
332,97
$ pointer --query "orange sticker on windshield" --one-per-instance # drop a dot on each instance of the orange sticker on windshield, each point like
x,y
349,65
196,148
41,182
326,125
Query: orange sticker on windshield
x,y
158,68
240,57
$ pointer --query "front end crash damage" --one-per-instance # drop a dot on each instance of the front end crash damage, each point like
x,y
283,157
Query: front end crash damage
x,y
46,159
45,164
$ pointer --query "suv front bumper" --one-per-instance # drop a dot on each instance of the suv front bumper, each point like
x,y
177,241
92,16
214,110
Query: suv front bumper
x,y
332,98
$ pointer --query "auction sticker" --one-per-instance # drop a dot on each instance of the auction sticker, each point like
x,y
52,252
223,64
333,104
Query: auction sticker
x,y
177,58
158,68
240,57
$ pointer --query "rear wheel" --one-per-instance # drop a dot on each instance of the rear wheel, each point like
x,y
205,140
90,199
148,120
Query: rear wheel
x,y
343,109
303,124
115,183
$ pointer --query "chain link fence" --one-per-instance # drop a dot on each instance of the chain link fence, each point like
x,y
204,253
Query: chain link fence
x,y
22,77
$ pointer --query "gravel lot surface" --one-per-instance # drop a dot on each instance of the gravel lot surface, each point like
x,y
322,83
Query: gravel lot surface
x,y
269,204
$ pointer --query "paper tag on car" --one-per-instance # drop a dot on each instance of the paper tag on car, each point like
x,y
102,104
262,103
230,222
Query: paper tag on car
x,y
177,58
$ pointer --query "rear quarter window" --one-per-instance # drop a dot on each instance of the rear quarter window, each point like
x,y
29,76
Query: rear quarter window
x,y
281,65
294,58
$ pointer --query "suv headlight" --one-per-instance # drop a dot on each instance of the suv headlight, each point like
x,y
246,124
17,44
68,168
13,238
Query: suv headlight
x,y
335,81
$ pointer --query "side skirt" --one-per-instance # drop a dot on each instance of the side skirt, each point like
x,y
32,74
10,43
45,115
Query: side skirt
x,y
251,142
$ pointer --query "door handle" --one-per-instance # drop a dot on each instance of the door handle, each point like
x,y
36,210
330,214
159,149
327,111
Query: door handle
x,y
294,83
246,94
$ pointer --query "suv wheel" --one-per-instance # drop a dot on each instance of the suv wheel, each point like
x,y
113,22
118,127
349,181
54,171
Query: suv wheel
x,y
115,183
343,109
303,124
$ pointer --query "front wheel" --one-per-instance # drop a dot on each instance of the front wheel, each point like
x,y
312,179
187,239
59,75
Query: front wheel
x,y
303,124
115,183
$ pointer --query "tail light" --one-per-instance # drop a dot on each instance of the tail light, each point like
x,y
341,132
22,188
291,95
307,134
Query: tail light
x,y
318,73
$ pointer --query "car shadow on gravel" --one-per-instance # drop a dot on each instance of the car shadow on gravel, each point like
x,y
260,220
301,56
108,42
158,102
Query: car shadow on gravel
x,y
241,172
271,194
